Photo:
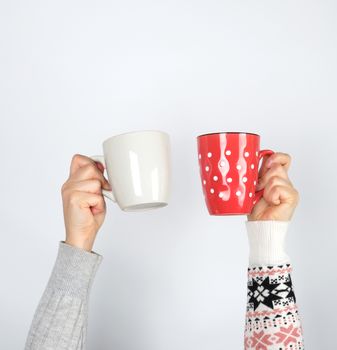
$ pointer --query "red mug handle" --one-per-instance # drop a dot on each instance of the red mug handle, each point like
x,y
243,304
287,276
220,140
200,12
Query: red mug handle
x,y
263,153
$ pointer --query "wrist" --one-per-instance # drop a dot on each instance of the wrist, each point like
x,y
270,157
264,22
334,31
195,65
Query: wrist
x,y
266,242
84,243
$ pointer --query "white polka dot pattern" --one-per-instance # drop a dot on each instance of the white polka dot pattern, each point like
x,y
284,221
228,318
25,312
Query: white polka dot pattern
x,y
228,174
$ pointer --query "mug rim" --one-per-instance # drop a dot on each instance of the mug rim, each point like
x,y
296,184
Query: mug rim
x,y
136,132
228,132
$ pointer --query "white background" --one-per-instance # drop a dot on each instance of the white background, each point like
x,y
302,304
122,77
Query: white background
x,y
76,72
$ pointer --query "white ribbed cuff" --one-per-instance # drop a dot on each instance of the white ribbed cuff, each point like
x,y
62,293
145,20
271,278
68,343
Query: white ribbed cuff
x,y
266,242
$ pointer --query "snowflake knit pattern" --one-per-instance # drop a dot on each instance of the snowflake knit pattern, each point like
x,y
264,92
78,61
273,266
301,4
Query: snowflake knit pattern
x,y
272,318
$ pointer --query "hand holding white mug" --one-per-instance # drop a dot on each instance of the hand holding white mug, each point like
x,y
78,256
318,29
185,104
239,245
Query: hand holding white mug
x,y
83,202
138,168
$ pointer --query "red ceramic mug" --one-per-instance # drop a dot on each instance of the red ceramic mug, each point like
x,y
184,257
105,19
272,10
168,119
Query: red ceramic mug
x,y
229,165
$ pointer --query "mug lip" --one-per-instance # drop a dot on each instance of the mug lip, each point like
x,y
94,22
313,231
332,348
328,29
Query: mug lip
x,y
136,132
228,132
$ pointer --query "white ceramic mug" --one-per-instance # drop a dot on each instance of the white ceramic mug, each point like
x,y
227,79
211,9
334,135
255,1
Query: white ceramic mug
x,y
139,169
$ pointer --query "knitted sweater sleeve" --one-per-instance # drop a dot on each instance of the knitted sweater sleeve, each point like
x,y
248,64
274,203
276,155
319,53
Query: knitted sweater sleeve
x,y
60,319
272,317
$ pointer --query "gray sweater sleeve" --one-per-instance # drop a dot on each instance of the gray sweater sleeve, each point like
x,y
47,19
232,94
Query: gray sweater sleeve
x,y
60,320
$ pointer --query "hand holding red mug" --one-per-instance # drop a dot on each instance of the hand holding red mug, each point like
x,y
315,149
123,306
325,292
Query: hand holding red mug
x,y
233,184
279,198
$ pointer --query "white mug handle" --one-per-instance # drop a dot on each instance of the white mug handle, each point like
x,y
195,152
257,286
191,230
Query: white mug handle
x,y
106,193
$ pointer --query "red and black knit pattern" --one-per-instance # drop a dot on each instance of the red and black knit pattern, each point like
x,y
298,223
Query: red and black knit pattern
x,y
272,320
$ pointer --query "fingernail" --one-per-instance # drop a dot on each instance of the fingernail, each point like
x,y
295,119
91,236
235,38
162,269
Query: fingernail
x,y
100,166
107,186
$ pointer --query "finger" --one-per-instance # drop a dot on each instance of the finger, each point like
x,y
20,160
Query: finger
x,y
79,161
280,194
283,159
90,172
276,181
96,203
277,170
90,186
88,200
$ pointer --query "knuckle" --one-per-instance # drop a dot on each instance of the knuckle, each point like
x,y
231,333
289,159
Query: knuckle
x,y
90,170
98,199
296,195
76,157
274,180
74,197
288,156
64,187
102,202
96,184
275,189
278,168
277,171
